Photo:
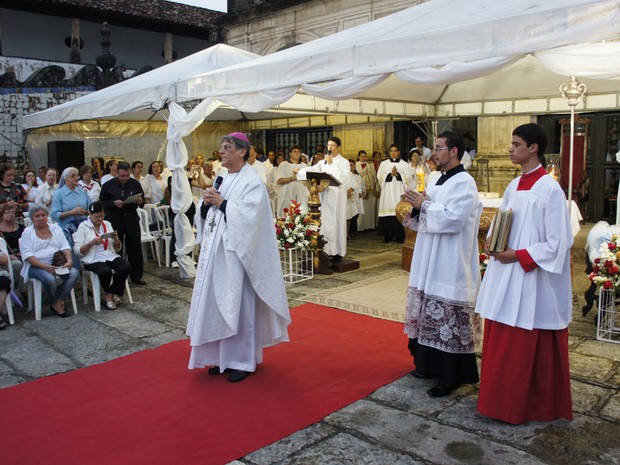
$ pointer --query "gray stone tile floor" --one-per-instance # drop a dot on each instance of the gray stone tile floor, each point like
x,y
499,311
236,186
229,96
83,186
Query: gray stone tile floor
x,y
397,424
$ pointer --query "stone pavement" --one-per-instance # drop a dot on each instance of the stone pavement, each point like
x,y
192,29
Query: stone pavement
x,y
397,424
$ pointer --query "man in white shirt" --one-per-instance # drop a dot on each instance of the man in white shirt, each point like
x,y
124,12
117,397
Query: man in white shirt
x,y
419,144
257,165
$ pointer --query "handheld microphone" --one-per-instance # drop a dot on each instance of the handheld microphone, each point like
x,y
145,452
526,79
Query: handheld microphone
x,y
329,152
218,183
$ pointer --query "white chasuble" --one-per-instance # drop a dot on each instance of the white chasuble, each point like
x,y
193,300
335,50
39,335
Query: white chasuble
x,y
445,275
239,272
541,298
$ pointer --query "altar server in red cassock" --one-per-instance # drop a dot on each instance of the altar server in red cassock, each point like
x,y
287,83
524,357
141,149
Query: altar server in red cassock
x,y
526,297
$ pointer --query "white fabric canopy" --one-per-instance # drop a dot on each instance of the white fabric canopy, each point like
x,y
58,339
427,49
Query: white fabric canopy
x,y
437,53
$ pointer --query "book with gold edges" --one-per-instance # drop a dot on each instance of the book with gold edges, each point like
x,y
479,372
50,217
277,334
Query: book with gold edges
x,y
500,231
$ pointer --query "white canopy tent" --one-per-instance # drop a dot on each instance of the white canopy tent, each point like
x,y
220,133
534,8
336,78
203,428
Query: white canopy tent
x,y
439,58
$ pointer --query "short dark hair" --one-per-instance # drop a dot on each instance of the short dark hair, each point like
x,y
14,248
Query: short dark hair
x,y
336,140
135,163
293,148
123,166
95,207
454,140
4,167
85,169
533,133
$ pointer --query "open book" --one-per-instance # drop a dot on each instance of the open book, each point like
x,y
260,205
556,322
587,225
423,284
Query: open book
x,y
500,230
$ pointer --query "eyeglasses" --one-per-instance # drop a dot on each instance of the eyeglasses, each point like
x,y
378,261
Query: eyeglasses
x,y
438,149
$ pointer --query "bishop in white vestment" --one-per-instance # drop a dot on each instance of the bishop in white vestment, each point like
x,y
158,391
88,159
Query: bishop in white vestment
x,y
235,310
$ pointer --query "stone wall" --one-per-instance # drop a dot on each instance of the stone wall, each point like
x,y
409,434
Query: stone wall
x,y
306,22
15,103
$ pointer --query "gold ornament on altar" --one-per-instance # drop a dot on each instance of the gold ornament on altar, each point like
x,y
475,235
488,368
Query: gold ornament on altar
x,y
553,171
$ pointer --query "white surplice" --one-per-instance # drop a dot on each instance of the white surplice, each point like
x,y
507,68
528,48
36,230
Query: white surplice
x,y
295,190
391,191
239,302
333,204
541,298
444,275
368,220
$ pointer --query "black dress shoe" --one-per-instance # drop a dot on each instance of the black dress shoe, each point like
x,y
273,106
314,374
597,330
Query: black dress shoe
x,y
335,258
236,376
65,314
416,374
140,282
216,370
440,390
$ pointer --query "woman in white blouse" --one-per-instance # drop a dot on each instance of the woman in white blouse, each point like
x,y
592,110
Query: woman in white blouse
x,y
87,184
38,244
96,243
157,182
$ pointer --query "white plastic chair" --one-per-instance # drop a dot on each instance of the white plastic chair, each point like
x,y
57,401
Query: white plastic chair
x,y
35,297
8,304
147,237
96,285
164,230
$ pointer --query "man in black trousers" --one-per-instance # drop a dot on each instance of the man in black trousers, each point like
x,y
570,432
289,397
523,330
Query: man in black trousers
x,y
121,211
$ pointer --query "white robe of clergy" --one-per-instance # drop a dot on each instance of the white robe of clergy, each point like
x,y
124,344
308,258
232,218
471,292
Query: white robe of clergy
x,y
541,298
261,170
445,274
295,190
239,302
333,204
368,219
391,191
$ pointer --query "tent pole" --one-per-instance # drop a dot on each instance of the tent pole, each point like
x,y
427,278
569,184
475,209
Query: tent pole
x,y
573,93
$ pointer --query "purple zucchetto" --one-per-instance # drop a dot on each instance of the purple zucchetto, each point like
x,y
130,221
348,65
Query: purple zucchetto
x,y
240,136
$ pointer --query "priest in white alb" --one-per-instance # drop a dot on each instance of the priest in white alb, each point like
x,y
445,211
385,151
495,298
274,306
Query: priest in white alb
x,y
526,297
444,277
333,199
393,176
235,312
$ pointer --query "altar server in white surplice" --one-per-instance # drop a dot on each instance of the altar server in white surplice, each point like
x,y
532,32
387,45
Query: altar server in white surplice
x,y
526,297
393,175
290,187
333,200
444,277
235,311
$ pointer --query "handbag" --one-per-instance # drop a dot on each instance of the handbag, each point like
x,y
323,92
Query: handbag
x,y
59,258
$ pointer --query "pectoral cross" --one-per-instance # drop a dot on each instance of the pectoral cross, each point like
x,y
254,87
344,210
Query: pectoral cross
x,y
212,223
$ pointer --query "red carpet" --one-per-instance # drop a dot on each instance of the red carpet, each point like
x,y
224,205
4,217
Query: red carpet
x,y
147,408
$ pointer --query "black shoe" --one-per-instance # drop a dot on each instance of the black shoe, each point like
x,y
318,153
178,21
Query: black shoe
x,y
140,282
65,314
216,370
236,376
400,240
336,258
386,240
416,374
439,390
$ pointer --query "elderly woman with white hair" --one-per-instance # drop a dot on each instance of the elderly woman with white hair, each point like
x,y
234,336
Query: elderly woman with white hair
x,y
47,258
70,205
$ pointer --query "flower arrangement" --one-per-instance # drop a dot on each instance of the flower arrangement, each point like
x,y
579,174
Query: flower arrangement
x,y
605,271
484,262
296,229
